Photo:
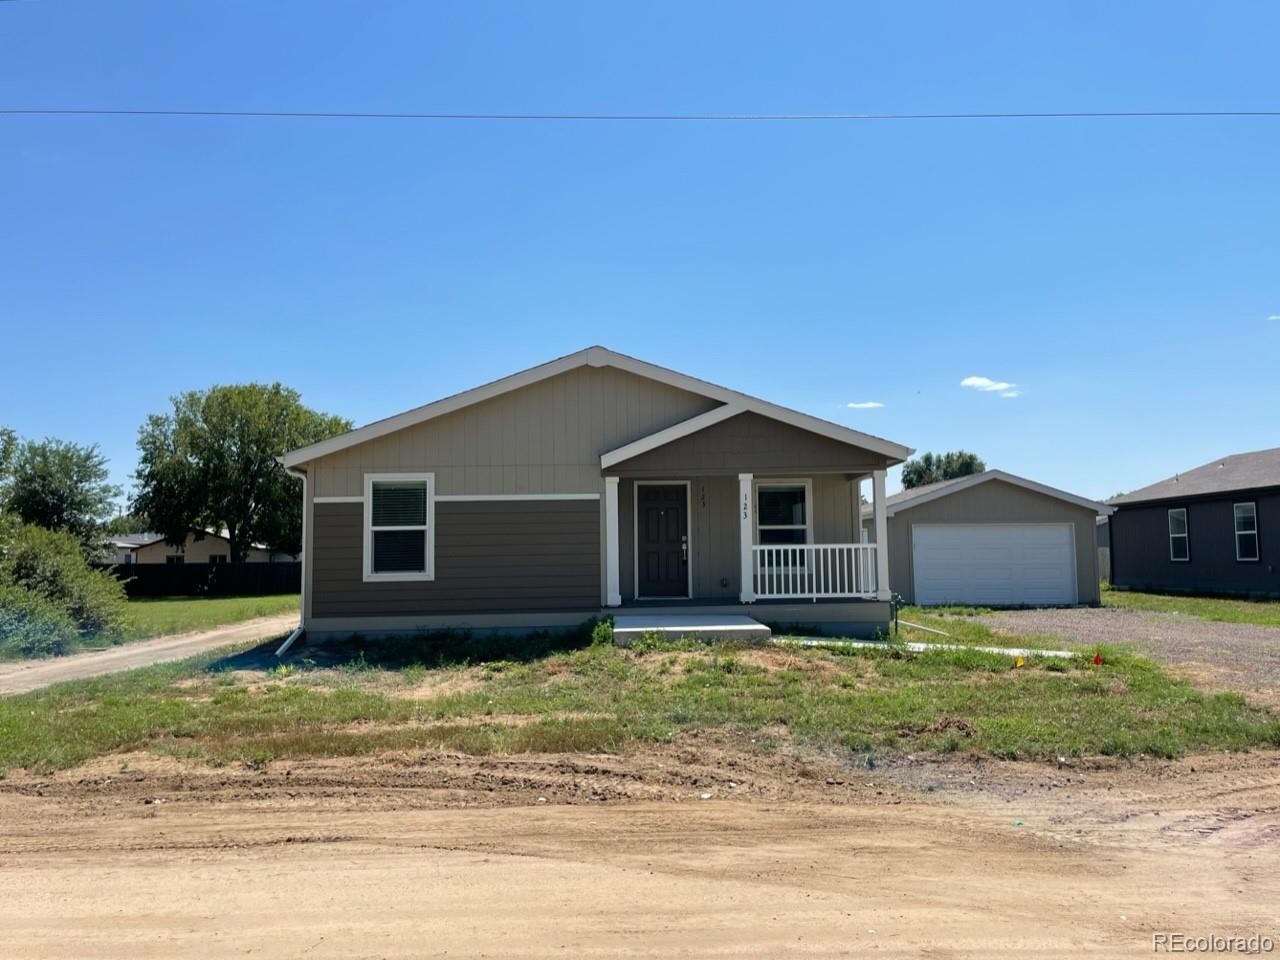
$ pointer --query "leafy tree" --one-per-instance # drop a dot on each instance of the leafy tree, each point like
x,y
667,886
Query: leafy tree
x,y
933,467
123,523
211,464
8,451
61,486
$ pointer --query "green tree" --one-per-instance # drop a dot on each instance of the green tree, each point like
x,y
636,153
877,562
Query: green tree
x,y
933,467
61,486
8,451
123,523
212,464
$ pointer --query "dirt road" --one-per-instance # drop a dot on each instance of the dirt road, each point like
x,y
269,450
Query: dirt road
x,y
443,855
21,676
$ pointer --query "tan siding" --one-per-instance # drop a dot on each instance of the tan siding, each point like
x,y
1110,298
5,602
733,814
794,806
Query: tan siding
x,y
544,438
502,556
995,502
833,509
753,444
713,528
196,551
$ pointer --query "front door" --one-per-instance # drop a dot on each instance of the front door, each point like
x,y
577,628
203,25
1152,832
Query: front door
x,y
662,526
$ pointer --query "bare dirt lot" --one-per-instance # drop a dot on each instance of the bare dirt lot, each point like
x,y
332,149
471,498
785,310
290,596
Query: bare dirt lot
x,y
439,854
1215,655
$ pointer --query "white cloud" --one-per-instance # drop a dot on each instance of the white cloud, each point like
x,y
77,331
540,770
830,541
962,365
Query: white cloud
x,y
987,385
1274,316
865,405
1010,394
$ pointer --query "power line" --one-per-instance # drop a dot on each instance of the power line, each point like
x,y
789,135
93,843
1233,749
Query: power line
x,y
639,117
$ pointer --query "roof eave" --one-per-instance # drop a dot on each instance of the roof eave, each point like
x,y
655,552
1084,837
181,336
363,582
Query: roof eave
x,y
595,357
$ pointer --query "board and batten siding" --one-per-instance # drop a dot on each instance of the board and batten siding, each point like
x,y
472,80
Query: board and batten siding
x,y
713,528
750,443
1140,546
502,556
541,439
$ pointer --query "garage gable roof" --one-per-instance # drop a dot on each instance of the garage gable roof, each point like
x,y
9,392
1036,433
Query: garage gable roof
x,y
597,357
944,488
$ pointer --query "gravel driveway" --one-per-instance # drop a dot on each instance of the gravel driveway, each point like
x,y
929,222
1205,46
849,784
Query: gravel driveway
x,y
1217,656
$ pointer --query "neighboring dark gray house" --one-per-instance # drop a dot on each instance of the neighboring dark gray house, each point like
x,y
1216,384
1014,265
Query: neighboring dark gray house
x,y
1214,529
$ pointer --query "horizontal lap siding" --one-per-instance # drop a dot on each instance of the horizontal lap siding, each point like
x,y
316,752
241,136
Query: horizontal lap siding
x,y
504,556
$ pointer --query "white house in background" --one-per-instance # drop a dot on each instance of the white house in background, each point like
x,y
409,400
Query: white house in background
x,y
201,547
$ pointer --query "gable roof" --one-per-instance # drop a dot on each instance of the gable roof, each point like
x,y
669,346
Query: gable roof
x,y
597,357
1240,471
133,540
906,499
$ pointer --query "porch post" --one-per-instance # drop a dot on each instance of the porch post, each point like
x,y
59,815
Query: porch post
x,y
613,593
882,536
746,532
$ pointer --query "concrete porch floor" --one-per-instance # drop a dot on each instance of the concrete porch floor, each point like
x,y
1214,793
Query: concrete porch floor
x,y
628,628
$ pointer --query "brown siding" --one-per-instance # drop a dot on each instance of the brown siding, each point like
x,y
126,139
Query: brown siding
x,y
995,502
544,438
750,443
713,528
504,556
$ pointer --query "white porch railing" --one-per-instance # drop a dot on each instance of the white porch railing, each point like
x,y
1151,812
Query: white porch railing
x,y
814,570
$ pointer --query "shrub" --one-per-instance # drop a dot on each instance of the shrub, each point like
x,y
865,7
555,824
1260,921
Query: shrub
x,y
50,564
602,633
33,626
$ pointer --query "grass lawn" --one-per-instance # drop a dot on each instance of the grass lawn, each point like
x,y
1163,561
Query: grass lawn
x,y
156,617
500,695
953,621
1265,613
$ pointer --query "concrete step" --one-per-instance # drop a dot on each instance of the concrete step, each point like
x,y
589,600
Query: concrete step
x,y
630,627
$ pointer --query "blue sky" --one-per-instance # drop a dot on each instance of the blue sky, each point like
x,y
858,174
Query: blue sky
x,y
1123,274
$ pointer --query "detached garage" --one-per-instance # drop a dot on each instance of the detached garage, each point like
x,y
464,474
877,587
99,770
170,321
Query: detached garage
x,y
992,539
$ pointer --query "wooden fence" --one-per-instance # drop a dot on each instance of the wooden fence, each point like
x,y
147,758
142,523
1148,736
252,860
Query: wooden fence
x,y
209,579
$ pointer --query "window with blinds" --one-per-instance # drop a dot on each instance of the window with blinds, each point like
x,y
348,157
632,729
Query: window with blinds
x,y
398,534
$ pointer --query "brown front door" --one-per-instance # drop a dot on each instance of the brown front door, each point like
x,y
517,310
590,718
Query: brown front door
x,y
663,549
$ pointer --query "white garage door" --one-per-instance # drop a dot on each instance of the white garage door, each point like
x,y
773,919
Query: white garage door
x,y
994,564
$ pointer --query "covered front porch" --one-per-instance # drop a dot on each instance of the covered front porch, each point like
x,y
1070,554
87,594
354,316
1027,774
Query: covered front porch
x,y
749,539
748,503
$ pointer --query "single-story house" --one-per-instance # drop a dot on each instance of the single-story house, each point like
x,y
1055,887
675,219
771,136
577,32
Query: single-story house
x,y
991,539
587,486
1214,530
201,547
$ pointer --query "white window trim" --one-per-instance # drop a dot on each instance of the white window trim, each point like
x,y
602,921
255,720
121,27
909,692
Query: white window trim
x,y
1185,535
429,561
808,507
1257,542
